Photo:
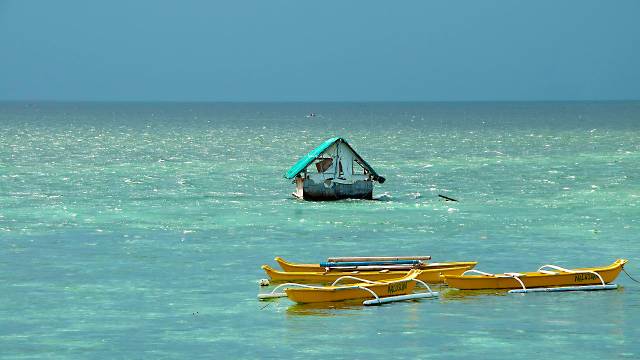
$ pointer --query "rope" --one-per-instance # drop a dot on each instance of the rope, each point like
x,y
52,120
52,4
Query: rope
x,y
625,271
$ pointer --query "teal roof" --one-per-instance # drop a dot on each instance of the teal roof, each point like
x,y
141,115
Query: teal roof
x,y
302,164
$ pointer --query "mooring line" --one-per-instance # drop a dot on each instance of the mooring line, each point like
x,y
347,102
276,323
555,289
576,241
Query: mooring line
x,y
630,277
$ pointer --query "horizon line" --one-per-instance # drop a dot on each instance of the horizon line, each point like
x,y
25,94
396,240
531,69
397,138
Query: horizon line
x,y
310,101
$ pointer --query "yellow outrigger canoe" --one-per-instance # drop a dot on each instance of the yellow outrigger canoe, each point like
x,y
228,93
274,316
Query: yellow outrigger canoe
x,y
297,267
373,292
430,273
547,276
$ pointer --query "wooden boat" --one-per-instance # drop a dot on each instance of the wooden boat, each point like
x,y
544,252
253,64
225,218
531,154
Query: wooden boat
x,y
432,273
373,292
543,278
297,267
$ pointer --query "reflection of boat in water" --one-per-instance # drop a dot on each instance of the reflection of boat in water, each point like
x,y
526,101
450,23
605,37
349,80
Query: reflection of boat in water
x,y
322,309
551,277
372,292
468,295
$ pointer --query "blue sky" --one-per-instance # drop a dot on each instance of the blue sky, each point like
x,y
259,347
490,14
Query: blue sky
x,y
153,50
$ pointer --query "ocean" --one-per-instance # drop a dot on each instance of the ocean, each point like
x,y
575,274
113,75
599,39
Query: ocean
x,y
137,230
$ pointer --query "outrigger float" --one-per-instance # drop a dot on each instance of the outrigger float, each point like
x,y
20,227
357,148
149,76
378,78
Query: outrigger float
x,y
372,292
548,278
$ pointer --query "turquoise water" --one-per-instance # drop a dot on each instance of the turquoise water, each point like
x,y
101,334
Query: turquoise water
x,y
138,230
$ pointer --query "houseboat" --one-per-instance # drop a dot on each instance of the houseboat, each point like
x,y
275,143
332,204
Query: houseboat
x,y
333,171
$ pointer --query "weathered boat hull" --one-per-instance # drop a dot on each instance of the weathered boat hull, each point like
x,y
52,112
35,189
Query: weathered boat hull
x,y
330,190
536,279
297,267
339,173
433,276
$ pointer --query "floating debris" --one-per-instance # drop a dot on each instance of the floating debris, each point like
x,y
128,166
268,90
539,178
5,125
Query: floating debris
x,y
446,198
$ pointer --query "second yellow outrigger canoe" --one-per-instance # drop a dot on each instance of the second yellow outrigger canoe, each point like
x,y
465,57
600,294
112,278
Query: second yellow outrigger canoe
x,y
431,273
297,267
547,276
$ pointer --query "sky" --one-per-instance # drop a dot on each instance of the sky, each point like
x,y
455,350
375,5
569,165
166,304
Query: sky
x,y
347,50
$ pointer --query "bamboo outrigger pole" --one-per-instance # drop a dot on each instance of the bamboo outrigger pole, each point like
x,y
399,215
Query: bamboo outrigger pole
x,y
377,258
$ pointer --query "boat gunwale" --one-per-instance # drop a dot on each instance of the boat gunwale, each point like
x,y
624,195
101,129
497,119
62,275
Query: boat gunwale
x,y
281,261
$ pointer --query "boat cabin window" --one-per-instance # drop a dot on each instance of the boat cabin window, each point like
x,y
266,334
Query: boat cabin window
x,y
359,169
323,164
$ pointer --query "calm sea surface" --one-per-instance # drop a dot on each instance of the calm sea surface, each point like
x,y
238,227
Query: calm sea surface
x,y
138,230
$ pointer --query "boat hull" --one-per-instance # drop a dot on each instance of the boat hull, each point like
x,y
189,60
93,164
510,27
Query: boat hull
x,y
344,293
297,267
330,190
432,276
536,279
